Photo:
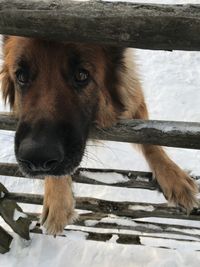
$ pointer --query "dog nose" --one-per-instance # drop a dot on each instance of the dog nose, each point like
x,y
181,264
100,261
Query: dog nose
x,y
39,157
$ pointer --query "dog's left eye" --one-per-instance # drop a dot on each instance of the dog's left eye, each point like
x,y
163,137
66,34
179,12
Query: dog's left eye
x,y
22,76
81,77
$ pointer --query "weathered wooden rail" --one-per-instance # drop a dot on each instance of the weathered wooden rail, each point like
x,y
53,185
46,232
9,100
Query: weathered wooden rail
x,y
165,133
147,26
128,209
166,27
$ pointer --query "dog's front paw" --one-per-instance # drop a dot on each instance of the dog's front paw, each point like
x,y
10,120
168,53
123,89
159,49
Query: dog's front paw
x,y
178,187
58,206
56,216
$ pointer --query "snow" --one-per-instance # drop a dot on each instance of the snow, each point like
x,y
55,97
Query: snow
x,y
75,251
176,244
171,221
171,82
113,239
2,195
17,214
165,235
119,221
140,207
108,178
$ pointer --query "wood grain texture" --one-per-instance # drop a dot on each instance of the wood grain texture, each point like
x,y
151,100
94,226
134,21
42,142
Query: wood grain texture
x,y
117,235
149,26
155,132
5,241
128,209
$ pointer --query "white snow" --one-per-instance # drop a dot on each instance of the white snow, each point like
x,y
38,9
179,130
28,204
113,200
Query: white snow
x,y
182,245
108,178
113,239
17,214
171,82
140,207
2,195
72,251
172,221
119,221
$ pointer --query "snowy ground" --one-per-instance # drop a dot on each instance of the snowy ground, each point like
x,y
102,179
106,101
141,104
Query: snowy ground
x,y
171,84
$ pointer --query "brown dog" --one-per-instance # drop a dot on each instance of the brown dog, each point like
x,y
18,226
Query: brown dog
x,y
58,91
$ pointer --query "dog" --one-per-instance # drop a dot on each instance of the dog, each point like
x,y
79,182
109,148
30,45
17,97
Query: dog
x,y
59,91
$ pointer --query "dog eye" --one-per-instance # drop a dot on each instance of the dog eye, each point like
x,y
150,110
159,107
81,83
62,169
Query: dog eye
x,y
81,77
22,76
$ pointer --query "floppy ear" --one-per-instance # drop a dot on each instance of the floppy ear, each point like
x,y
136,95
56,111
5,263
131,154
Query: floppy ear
x,y
7,86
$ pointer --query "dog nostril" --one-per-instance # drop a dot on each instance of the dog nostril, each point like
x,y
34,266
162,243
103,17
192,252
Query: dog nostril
x,y
50,164
46,166
28,164
37,158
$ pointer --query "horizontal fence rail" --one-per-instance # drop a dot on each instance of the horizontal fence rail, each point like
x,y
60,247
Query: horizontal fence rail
x,y
107,227
129,179
128,209
103,227
165,133
167,27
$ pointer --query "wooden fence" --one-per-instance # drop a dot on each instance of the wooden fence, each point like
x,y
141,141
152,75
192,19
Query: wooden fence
x,y
148,26
132,25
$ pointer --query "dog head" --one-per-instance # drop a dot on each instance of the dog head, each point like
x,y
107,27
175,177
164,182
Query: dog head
x,y
58,90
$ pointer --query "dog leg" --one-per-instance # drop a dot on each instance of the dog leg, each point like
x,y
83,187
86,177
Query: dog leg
x,y
177,186
58,205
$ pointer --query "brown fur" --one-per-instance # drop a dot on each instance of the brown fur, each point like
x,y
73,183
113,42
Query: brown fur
x,y
116,92
58,197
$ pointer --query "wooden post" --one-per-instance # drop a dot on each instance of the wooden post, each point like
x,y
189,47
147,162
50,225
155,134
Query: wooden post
x,y
5,240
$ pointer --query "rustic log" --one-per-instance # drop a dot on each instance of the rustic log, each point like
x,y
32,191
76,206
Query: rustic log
x,y
25,198
21,225
7,210
8,121
134,210
5,241
145,230
165,133
10,169
112,23
134,179
97,220
129,239
105,221
127,209
119,236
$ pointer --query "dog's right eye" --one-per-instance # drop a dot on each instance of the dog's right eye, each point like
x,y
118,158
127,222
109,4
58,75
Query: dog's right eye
x,y
22,76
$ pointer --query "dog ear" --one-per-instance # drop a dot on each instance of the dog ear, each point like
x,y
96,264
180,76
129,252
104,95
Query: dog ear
x,y
7,87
